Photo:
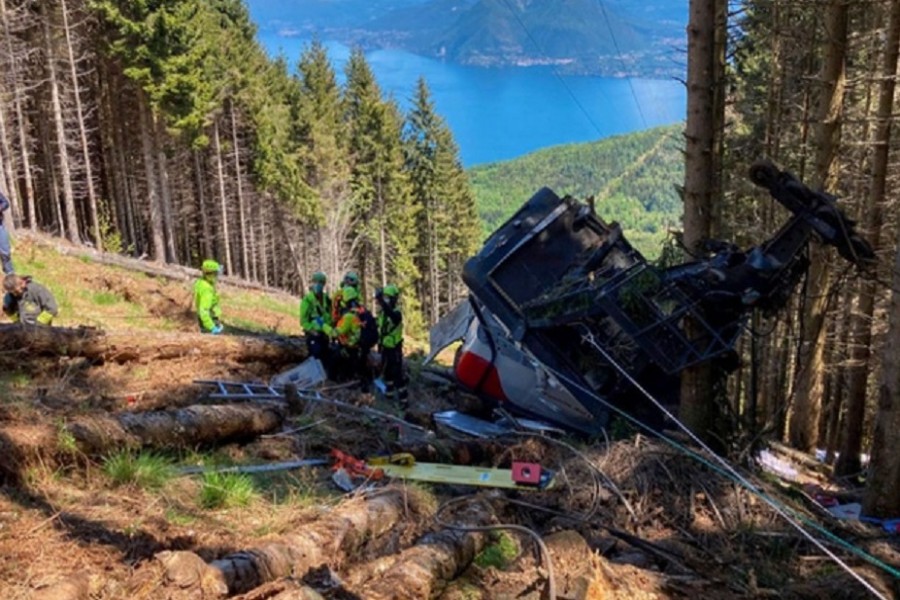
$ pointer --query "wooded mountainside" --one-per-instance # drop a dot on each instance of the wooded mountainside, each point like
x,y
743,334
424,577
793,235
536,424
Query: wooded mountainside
x,y
633,178
811,85
162,129
578,36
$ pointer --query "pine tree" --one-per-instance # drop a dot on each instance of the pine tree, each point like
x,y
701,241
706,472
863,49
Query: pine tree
x,y
321,138
447,223
380,187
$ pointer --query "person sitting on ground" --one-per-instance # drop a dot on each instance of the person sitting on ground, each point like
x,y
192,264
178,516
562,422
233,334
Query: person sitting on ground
x,y
390,342
315,317
206,298
27,301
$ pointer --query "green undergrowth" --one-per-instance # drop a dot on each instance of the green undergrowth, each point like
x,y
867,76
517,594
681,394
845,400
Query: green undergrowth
x,y
226,490
500,552
147,470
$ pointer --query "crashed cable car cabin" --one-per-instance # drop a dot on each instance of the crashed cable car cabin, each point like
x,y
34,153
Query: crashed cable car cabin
x,y
561,304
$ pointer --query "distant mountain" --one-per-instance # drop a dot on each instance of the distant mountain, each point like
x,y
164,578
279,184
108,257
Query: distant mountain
x,y
633,178
608,37
308,16
536,31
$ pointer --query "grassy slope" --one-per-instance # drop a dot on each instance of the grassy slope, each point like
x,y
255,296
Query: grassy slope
x,y
114,298
632,176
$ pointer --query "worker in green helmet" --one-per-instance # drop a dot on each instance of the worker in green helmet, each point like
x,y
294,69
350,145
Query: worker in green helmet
x,y
315,318
206,298
351,279
390,342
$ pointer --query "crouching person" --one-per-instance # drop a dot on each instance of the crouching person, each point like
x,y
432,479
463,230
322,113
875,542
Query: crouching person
x,y
27,301
390,341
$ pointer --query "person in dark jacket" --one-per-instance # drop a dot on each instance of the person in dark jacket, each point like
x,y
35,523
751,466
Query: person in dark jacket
x,y
27,301
5,250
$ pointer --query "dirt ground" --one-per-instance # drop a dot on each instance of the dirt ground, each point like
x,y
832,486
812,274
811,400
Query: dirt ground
x,y
628,518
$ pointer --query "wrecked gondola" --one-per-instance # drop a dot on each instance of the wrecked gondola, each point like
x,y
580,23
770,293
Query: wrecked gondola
x,y
565,319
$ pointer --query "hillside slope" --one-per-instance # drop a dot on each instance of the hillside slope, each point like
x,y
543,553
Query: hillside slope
x,y
91,294
633,178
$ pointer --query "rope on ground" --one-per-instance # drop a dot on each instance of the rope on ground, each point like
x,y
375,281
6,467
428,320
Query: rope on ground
x,y
544,551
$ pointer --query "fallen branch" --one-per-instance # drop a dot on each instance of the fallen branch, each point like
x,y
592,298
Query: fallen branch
x,y
156,269
371,412
267,468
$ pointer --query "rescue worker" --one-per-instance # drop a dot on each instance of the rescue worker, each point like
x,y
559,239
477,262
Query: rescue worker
x,y
27,301
351,279
315,318
206,298
390,342
5,250
349,353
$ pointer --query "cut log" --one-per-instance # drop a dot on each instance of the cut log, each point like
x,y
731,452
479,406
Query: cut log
x,y
126,346
424,570
283,589
197,425
75,587
326,541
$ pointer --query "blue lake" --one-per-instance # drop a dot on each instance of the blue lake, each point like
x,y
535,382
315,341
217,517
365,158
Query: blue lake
x,y
498,114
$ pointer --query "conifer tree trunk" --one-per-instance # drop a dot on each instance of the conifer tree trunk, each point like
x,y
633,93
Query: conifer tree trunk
x,y
165,195
200,187
264,239
8,170
220,173
697,409
24,142
851,446
382,239
82,130
153,194
65,171
242,210
807,403
883,480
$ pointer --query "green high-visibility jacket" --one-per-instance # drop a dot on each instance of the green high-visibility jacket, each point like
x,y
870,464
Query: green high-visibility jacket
x,y
311,309
390,327
206,300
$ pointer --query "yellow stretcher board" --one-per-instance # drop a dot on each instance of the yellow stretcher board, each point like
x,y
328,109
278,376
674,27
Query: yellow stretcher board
x,y
539,479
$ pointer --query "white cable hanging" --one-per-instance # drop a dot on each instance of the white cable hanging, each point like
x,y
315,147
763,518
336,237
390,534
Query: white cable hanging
x,y
589,338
